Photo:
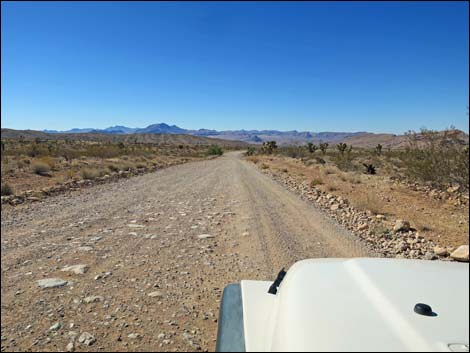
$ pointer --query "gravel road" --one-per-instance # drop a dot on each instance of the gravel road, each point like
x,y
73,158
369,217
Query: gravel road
x,y
158,250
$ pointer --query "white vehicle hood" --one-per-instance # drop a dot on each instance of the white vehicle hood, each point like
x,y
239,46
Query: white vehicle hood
x,y
360,305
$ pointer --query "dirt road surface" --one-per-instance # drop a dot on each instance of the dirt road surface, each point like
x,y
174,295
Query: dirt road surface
x,y
158,250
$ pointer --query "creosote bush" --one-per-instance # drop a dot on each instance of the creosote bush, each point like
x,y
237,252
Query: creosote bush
x,y
316,182
215,150
41,168
90,174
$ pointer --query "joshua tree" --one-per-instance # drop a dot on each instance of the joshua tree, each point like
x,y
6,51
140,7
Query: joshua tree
x,y
269,146
311,147
378,149
324,147
341,147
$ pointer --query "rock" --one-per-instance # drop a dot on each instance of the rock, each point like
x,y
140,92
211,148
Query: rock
x,y
103,275
460,254
77,269
55,327
133,336
380,216
334,207
93,299
401,226
362,226
439,251
85,248
155,294
453,189
87,339
51,283
430,256
70,347
205,236
402,246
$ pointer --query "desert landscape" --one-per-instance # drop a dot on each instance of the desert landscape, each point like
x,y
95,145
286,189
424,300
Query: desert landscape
x,y
122,245
216,176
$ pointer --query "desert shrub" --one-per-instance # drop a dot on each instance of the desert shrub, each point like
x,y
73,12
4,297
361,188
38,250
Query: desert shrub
x,y
41,168
354,179
344,159
316,182
34,150
68,174
49,161
294,152
250,151
437,158
370,202
90,174
331,188
6,190
113,167
329,171
215,150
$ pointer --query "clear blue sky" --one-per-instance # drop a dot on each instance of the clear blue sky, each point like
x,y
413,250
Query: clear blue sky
x,y
380,67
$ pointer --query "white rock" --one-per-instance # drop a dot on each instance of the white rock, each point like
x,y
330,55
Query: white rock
x,y
55,327
93,299
155,294
401,226
205,236
440,251
51,282
77,269
70,347
87,339
460,254
85,248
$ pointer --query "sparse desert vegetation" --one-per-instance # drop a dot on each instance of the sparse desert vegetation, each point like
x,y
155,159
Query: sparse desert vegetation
x,y
35,164
425,182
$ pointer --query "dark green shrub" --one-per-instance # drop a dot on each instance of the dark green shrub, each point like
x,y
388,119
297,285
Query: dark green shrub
x,y
215,150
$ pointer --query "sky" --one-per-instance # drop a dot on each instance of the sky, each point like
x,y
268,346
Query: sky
x,y
307,66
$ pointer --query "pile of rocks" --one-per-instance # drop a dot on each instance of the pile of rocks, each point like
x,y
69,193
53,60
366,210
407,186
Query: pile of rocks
x,y
384,237
453,193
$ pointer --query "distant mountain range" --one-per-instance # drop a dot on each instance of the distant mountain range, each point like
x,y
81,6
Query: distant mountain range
x,y
251,136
